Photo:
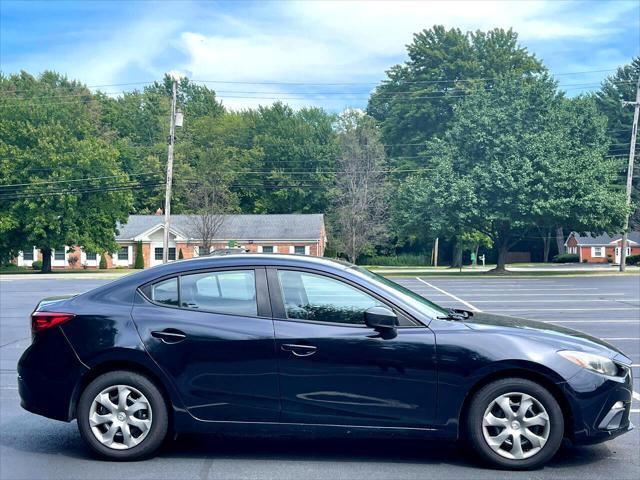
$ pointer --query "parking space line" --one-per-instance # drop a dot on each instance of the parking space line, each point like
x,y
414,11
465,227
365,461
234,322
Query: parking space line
x,y
578,296
535,300
565,309
591,321
636,396
458,299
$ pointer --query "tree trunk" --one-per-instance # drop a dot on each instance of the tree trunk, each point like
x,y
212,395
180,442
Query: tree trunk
x,y
546,239
456,258
560,240
46,260
501,267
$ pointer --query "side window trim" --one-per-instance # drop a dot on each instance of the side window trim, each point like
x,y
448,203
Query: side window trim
x,y
279,312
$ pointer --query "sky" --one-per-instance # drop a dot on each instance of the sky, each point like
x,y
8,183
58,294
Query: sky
x,y
329,54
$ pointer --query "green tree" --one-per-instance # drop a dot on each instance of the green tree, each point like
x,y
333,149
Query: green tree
x,y
298,158
139,263
616,88
418,99
514,155
62,182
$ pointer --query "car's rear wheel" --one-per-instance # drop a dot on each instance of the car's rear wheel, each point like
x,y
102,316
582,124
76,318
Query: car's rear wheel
x,y
122,415
515,423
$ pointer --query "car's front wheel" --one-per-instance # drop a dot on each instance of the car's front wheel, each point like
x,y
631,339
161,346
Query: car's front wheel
x,y
122,416
515,423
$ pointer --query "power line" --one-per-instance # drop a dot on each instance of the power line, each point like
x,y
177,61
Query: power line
x,y
307,93
275,82
88,179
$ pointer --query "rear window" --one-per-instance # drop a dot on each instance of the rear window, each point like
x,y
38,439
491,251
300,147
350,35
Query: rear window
x,y
164,292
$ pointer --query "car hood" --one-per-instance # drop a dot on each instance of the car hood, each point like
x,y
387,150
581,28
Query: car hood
x,y
562,337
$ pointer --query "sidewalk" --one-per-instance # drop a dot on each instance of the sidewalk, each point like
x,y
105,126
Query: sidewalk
x,y
104,274
560,268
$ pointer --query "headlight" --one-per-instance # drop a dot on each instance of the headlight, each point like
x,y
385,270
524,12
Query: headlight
x,y
597,363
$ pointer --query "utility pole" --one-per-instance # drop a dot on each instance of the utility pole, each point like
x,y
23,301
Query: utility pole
x,y
167,195
632,153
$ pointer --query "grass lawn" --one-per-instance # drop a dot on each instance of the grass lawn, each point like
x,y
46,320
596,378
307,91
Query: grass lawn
x,y
13,269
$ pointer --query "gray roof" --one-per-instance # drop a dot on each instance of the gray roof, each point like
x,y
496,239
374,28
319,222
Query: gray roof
x,y
283,227
604,239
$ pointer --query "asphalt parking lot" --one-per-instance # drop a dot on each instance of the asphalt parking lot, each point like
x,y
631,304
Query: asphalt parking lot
x,y
604,306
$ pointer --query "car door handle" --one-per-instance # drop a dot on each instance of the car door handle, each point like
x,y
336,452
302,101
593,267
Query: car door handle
x,y
169,335
298,350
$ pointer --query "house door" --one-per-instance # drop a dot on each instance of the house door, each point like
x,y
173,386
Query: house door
x,y
618,255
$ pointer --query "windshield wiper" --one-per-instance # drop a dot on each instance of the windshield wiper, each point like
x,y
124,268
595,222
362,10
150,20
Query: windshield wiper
x,y
456,314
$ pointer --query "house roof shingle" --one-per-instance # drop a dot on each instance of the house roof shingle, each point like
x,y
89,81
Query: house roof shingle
x,y
604,239
235,227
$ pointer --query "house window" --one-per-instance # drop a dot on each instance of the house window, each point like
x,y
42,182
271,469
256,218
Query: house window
x,y
158,253
58,254
267,249
299,249
27,255
598,251
123,253
91,256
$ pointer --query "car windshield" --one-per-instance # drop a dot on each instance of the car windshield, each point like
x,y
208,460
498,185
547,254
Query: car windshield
x,y
410,297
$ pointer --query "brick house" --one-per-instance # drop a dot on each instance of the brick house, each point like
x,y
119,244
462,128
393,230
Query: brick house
x,y
287,233
601,248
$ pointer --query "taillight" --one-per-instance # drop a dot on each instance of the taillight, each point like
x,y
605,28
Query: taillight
x,y
43,320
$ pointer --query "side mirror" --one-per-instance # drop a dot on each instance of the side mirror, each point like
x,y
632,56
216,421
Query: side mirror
x,y
380,318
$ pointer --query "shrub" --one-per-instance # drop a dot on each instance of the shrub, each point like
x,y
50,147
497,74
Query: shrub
x,y
402,260
139,263
37,265
73,260
566,258
103,262
180,255
633,259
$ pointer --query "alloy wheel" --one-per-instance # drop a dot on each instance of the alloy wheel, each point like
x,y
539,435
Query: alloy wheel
x,y
120,417
516,425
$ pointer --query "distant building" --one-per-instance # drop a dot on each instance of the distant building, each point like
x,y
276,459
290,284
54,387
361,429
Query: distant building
x,y
601,248
303,234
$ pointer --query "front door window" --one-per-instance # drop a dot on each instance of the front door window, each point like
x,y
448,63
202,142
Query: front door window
x,y
308,296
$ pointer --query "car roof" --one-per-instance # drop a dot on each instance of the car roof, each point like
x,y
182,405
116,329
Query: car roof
x,y
120,288
261,259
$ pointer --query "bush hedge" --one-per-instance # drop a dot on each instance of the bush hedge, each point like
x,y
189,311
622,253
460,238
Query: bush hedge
x,y
139,263
566,258
403,260
36,265
103,262
633,259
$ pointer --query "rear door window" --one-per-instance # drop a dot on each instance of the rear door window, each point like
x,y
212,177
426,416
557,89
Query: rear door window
x,y
230,292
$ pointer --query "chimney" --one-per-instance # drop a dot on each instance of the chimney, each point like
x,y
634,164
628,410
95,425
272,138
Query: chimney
x,y
159,212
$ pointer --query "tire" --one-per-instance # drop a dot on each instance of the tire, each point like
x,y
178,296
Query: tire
x,y
489,424
130,404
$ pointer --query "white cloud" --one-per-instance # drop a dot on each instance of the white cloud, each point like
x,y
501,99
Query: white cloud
x,y
323,41
352,41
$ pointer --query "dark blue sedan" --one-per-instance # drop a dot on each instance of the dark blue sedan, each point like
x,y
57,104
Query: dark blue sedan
x,y
285,343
